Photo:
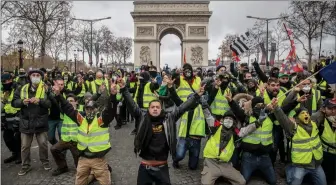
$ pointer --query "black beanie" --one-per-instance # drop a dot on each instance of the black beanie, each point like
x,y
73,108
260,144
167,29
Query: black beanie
x,y
187,66
299,110
257,100
218,67
229,113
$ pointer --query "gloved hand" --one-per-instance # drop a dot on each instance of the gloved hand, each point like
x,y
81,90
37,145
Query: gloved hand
x,y
204,101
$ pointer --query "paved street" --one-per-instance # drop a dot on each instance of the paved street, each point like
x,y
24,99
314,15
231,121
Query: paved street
x,y
121,158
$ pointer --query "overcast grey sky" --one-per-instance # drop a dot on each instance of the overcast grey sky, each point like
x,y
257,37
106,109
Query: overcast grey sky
x,y
227,17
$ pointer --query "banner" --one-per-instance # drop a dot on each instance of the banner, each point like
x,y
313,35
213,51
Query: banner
x,y
263,54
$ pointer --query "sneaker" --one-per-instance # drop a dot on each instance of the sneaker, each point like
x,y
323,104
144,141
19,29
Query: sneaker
x,y
60,171
18,161
133,132
24,170
10,159
46,166
117,127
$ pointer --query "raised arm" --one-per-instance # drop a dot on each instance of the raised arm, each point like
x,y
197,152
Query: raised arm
x,y
130,104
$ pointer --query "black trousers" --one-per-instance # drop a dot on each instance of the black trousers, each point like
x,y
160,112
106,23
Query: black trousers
x,y
116,116
123,112
329,167
12,138
159,175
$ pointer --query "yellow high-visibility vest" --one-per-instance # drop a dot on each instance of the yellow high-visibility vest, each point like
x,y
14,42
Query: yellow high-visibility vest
x,y
328,137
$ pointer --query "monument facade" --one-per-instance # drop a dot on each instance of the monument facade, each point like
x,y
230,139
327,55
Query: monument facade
x,y
188,20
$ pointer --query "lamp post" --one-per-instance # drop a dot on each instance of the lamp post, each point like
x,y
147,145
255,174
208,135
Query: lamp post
x,y
221,48
267,21
101,62
126,48
322,23
20,46
75,57
91,21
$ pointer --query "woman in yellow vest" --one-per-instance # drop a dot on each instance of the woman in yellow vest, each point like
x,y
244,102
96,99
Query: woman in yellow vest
x,y
305,147
326,120
93,138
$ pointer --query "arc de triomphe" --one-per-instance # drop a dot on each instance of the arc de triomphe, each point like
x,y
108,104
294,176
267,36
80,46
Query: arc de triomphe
x,y
188,20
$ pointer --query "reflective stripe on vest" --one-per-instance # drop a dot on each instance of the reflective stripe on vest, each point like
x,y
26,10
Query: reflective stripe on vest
x,y
39,92
212,147
132,84
220,105
316,97
304,146
197,127
8,106
328,136
262,135
96,83
148,96
13,119
69,129
93,137
184,89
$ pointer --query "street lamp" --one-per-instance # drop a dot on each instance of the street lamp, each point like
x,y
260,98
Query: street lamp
x,y
126,48
20,46
267,20
91,21
101,62
75,57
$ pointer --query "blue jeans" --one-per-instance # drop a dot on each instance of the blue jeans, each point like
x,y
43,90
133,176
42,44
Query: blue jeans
x,y
251,163
53,124
194,147
295,175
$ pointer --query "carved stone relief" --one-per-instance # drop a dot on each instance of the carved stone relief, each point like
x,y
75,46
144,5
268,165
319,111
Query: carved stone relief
x,y
160,27
145,31
170,6
197,31
145,55
196,55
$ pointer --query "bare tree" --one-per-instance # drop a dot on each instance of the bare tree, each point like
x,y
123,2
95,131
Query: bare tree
x,y
123,48
47,17
225,46
305,19
55,46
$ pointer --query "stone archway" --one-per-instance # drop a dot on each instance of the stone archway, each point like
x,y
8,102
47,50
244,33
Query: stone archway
x,y
154,19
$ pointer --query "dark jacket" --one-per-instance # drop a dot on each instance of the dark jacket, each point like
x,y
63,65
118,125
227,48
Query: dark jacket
x,y
106,115
33,118
169,122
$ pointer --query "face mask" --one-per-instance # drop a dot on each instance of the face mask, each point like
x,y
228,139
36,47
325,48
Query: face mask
x,y
153,74
306,89
187,73
7,87
90,78
228,123
35,80
332,119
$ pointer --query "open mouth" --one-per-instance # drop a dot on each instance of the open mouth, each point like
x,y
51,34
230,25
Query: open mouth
x,y
306,118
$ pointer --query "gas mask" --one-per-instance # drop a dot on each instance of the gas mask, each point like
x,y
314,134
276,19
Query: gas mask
x,y
187,73
306,89
90,77
35,80
227,122
153,74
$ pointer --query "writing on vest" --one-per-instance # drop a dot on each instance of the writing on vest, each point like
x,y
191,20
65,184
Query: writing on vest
x,y
262,135
305,146
212,148
92,136
328,138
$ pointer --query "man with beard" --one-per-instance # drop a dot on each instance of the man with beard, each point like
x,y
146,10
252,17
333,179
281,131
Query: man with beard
x,y
192,126
10,120
156,135
144,94
326,121
252,86
273,91
306,146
